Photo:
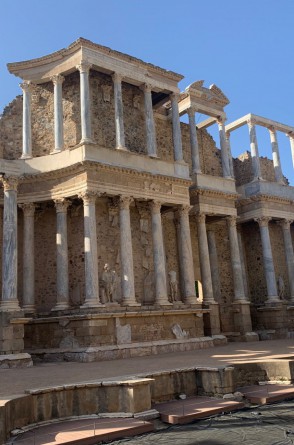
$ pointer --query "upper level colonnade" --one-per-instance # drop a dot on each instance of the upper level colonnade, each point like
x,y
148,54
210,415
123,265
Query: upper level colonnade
x,y
158,85
252,120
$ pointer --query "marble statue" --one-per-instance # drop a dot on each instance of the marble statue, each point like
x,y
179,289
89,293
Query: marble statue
x,y
107,282
173,284
281,287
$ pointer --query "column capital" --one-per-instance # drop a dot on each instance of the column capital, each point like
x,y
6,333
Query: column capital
x,y
84,66
124,202
88,197
272,130
232,220
155,206
285,223
9,183
263,221
61,205
146,87
117,77
184,209
26,86
228,134
57,79
200,217
174,96
251,123
221,121
28,208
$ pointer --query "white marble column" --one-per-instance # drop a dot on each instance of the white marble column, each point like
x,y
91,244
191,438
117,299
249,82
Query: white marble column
x,y
84,68
126,253
149,120
268,263
243,262
91,254
26,121
194,142
224,149
214,265
177,137
58,113
231,163
239,292
9,300
118,109
256,169
28,257
204,260
286,227
186,257
62,300
276,156
291,137
161,296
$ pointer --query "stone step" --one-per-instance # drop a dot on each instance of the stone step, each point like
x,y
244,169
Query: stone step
x,y
83,432
193,408
269,393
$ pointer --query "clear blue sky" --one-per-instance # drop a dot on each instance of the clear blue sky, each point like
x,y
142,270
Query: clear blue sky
x,y
244,47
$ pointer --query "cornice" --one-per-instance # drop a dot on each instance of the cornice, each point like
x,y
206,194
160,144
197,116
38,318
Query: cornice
x,y
219,193
266,198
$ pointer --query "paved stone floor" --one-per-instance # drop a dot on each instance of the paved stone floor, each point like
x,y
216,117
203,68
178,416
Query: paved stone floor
x,y
16,381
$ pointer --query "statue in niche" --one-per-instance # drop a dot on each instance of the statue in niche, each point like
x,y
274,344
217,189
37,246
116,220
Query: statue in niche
x,y
106,90
281,287
173,284
108,284
136,101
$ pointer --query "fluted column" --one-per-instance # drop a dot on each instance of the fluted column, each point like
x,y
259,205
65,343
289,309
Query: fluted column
x,y
186,257
62,301
243,262
231,163
194,142
28,257
149,120
224,149
91,254
58,113
286,227
291,138
268,263
256,169
126,253
84,68
118,109
9,300
177,137
161,296
276,156
239,292
214,265
204,259
26,121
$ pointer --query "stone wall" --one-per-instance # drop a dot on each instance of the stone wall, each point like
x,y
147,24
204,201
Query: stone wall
x,y
243,168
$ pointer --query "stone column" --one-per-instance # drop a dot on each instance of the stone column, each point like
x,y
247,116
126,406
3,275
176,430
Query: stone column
x,y
204,260
256,169
228,142
214,265
161,296
276,156
243,262
91,254
177,137
26,121
84,69
9,301
239,293
126,253
194,142
28,257
291,137
118,108
286,227
268,263
224,149
62,301
149,120
58,113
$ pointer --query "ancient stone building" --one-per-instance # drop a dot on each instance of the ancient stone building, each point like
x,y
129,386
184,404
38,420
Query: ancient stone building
x,y
126,231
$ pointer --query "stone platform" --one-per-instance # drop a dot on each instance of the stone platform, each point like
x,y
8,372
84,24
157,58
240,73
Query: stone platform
x,y
269,393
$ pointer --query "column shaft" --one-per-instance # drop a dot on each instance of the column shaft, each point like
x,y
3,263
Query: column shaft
x,y
9,300
26,121
186,257
126,253
239,293
177,137
204,260
292,147
118,108
84,69
194,142
58,113
214,266
256,169
28,257
286,227
231,163
276,157
149,119
243,264
268,262
224,150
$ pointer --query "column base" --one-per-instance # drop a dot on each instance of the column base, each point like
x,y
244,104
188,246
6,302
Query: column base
x,y
153,155
60,307
86,141
192,299
26,156
9,306
91,303
55,151
130,303
29,308
273,301
162,301
121,147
